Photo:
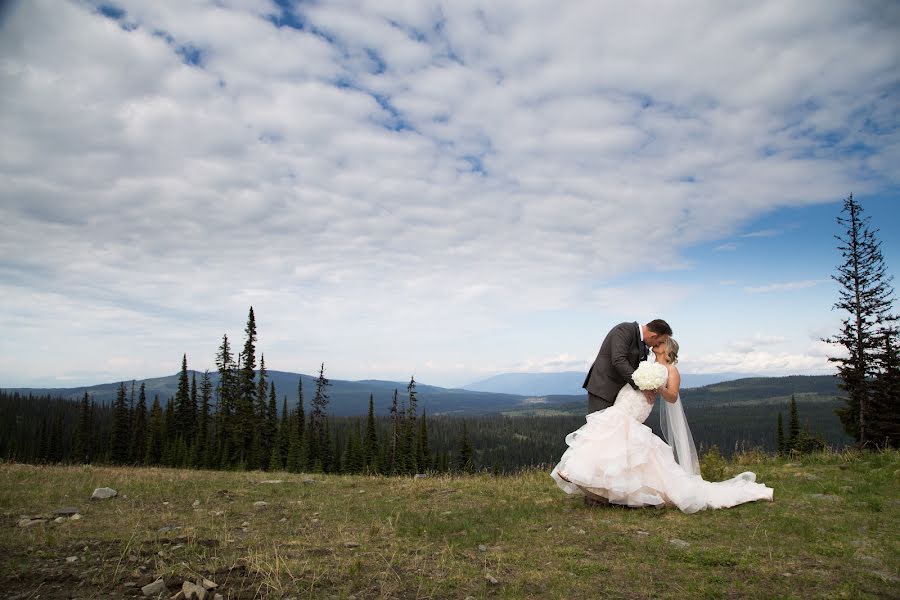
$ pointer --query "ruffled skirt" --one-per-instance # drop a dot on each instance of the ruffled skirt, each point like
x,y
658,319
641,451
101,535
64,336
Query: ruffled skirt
x,y
615,457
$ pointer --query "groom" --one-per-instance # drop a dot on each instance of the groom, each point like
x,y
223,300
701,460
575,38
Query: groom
x,y
626,345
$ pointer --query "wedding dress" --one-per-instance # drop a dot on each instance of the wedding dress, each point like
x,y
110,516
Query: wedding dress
x,y
615,456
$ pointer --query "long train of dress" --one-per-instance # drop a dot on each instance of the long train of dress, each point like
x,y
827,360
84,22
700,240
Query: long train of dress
x,y
615,456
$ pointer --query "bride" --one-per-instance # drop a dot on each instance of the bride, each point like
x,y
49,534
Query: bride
x,y
615,457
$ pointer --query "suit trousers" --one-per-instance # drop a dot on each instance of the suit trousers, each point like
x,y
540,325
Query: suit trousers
x,y
596,403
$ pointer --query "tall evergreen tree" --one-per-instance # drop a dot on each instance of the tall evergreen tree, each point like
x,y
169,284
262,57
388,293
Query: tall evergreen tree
x,y
203,455
246,421
271,424
423,454
83,451
885,429
261,443
464,460
182,403
866,296
120,435
169,435
155,440
55,445
284,433
226,427
393,447
317,444
296,458
370,442
139,428
191,427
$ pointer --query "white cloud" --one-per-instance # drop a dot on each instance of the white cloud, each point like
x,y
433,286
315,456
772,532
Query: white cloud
x,y
785,286
403,178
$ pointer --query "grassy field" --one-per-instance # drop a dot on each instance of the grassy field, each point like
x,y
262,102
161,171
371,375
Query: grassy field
x,y
832,532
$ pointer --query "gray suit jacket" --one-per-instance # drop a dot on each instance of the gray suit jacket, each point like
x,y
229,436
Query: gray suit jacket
x,y
619,356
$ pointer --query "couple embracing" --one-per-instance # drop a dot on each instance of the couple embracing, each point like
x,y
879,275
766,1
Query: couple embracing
x,y
615,458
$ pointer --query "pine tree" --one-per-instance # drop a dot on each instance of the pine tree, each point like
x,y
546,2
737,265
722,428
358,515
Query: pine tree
x,y
246,421
410,433
155,434
423,454
182,403
370,442
464,460
169,435
885,426
55,444
191,427
284,434
226,429
317,444
793,426
271,422
261,441
202,456
139,427
83,432
296,459
120,434
779,434
866,296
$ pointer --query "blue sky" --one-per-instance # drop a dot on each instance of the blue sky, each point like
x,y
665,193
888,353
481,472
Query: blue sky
x,y
445,189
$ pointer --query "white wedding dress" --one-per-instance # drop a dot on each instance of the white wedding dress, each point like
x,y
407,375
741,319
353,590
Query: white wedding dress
x,y
615,456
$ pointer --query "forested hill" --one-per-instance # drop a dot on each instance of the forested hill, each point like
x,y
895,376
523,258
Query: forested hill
x,y
349,398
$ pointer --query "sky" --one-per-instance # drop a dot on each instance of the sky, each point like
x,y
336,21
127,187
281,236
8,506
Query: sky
x,y
448,190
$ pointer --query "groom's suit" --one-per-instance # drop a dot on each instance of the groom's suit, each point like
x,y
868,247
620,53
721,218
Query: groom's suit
x,y
621,352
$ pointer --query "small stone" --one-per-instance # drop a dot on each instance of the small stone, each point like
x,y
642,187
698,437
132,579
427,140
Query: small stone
x,y
245,524
482,548
104,493
351,544
165,503
642,533
196,504
155,589
209,585
71,559
28,522
76,517
491,579
283,520
129,584
309,481
272,481
218,597
260,504
59,520
192,591
420,476
679,543
67,511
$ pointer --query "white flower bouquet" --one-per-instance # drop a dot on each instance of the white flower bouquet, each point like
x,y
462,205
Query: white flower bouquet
x,y
650,376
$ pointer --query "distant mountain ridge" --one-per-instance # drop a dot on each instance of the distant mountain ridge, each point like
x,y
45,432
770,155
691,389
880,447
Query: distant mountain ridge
x,y
568,383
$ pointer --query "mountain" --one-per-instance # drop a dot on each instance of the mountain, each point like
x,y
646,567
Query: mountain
x,y
569,382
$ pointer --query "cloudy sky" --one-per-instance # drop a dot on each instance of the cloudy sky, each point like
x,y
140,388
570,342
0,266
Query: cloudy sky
x,y
447,189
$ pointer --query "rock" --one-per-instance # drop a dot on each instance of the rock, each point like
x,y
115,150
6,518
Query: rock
x,y
29,522
76,517
104,493
642,533
178,596
491,579
309,481
218,597
260,504
209,585
129,584
245,524
192,591
272,481
67,511
282,520
168,528
679,543
482,548
71,559
420,476
59,520
196,504
155,589
351,544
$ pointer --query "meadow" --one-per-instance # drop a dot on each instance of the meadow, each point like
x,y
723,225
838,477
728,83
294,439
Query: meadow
x,y
832,532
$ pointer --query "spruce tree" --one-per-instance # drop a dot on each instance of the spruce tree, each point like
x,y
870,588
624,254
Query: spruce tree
x,y
191,427
885,429
55,444
226,428
246,418
262,445
370,442
793,427
271,423
170,437
317,444
284,434
139,427
202,456
464,460
865,295
423,454
155,440
83,432
120,435
182,403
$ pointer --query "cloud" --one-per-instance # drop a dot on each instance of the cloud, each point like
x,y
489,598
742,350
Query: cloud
x,y
785,286
408,174
727,247
763,233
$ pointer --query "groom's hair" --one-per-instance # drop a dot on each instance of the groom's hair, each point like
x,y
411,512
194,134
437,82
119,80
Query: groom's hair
x,y
659,327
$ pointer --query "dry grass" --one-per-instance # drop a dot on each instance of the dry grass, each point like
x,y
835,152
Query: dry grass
x,y
449,537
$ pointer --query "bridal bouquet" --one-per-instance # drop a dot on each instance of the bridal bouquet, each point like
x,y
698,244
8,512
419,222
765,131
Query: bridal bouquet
x,y
650,376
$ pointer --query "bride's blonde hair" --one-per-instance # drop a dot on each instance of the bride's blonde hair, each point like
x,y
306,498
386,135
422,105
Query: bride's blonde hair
x,y
671,350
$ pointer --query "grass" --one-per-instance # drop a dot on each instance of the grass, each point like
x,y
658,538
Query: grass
x,y
831,533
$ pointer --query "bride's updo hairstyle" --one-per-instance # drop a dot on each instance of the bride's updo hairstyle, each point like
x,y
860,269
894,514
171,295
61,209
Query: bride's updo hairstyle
x,y
671,351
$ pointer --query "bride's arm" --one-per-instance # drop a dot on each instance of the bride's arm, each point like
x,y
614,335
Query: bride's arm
x,y
669,392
